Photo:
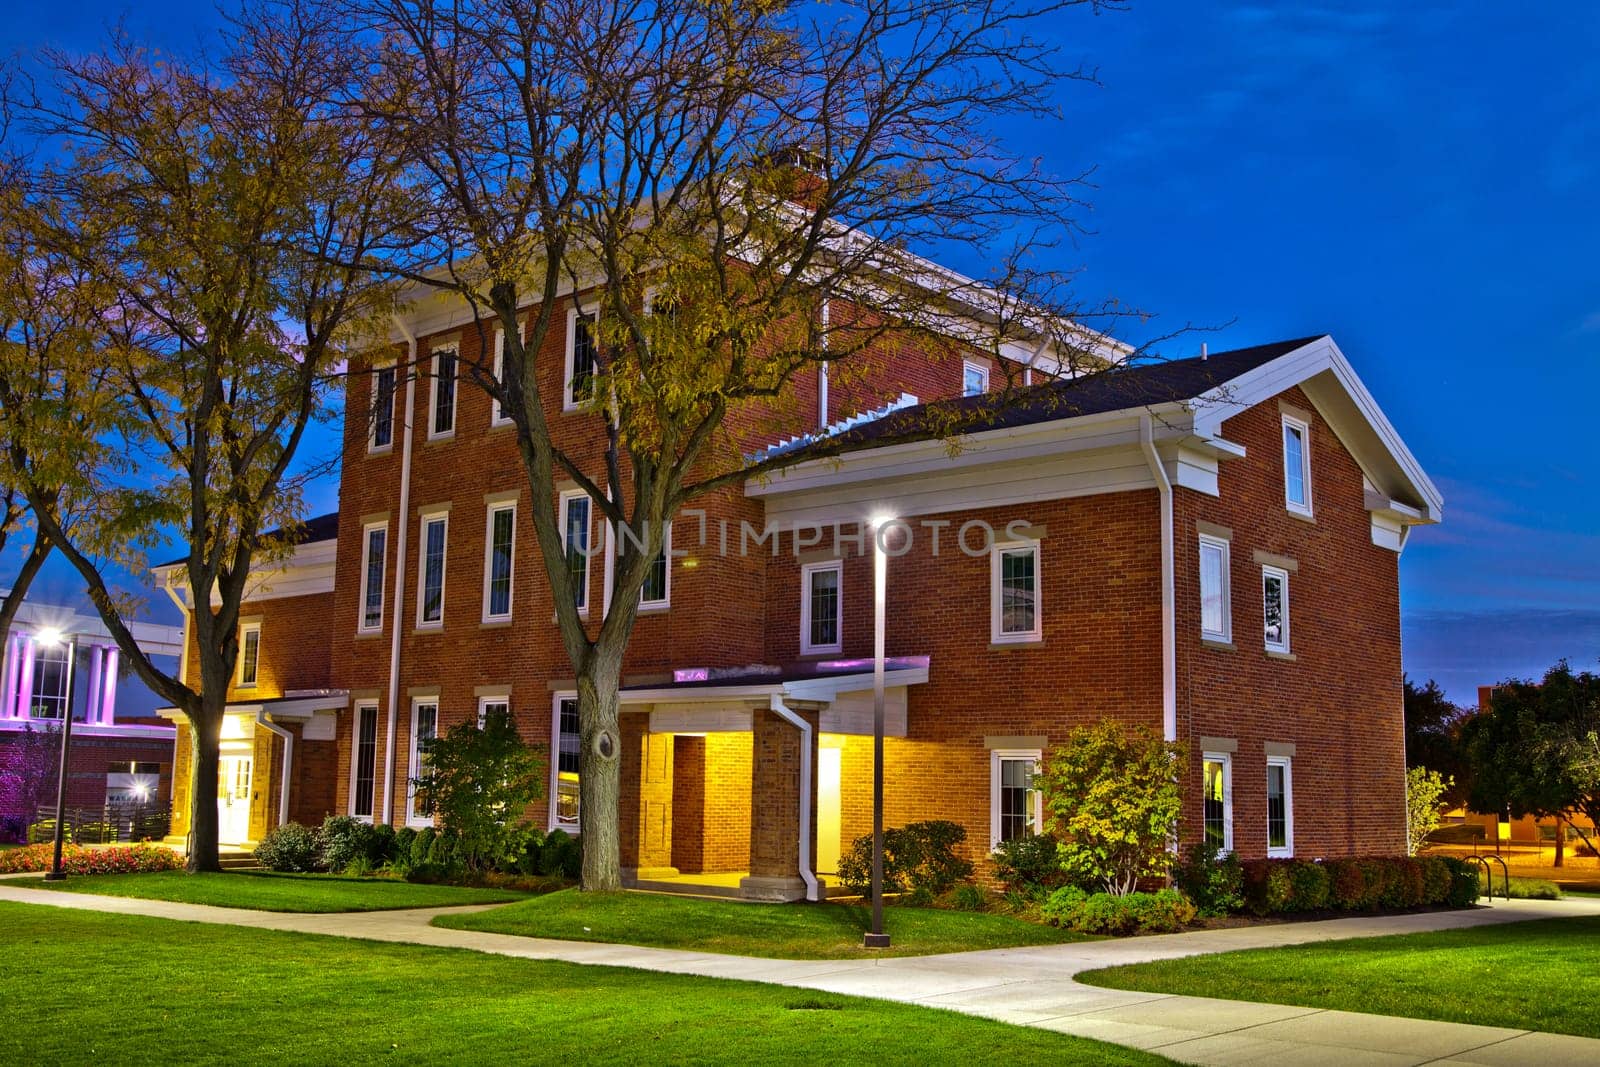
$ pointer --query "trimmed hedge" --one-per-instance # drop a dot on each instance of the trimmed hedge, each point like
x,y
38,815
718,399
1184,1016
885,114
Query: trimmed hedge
x,y
1362,883
1162,912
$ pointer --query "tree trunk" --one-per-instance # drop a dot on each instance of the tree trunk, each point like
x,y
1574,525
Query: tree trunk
x,y
600,773
203,818
11,603
1561,841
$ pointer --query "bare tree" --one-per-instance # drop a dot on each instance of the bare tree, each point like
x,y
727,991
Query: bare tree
x,y
211,208
715,180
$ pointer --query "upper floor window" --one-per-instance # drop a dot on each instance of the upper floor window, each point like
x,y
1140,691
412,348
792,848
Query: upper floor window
x,y
499,551
1015,806
575,531
1215,608
1280,807
430,565
443,421
1297,465
1217,800
581,358
974,379
820,587
382,408
374,547
1014,592
657,589
249,654
497,411
1275,608
52,664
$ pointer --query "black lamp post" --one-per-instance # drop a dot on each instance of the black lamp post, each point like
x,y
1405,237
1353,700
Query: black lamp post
x,y
52,638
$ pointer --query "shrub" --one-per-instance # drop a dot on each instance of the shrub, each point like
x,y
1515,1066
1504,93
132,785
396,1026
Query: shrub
x,y
76,859
919,858
1464,889
1214,882
1309,886
381,846
1267,887
1425,792
45,831
968,898
1346,883
422,845
480,781
340,840
560,855
1534,889
1102,913
290,847
1029,864
404,839
1435,880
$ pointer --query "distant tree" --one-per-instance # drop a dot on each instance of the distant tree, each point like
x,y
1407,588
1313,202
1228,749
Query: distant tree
x,y
1111,795
1425,792
479,782
1433,736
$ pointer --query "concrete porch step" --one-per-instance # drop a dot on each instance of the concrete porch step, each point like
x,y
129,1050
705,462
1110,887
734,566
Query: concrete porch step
x,y
239,861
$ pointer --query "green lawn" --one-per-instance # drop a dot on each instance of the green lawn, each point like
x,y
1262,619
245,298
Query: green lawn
x,y
782,931
275,892
1529,975
123,989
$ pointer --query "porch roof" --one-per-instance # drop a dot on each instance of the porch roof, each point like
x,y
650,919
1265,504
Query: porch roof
x,y
821,679
296,705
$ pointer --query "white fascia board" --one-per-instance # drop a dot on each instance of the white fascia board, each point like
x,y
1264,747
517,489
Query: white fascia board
x,y
701,694
828,688
1302,367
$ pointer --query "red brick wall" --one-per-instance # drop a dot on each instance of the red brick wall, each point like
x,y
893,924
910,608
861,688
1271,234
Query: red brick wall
x,y
296,639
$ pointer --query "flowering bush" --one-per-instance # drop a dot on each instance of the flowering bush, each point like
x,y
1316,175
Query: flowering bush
x,y
76,859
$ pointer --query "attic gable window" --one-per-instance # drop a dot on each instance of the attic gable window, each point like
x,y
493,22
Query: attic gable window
x,y
1296,465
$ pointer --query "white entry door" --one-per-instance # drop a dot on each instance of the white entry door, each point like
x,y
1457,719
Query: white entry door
x,y
828,817
233,798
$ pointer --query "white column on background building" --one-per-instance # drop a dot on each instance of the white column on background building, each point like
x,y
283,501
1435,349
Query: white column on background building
x,y
8,688
24,703
108,687
91,699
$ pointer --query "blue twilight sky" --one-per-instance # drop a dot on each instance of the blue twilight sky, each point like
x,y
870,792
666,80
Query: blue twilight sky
x,y
1418,180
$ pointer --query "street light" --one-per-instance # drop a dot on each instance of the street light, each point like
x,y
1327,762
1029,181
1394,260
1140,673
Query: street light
x,y
52,638
876,938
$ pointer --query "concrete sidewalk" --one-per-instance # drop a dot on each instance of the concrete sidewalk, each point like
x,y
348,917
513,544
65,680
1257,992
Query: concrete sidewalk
x,y
1026,986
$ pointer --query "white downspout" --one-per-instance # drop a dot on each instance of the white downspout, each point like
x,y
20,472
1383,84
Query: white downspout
x,y
288,762
1169,632
806,873
402,526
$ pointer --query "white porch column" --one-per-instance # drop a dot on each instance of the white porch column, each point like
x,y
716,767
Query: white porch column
x,y
24,696
108,687
91,697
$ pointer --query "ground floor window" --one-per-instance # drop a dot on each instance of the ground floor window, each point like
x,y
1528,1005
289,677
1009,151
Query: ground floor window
x,y
424,728
1015,806
488,706
364,760
1218,800
52,665
1280,807
564,814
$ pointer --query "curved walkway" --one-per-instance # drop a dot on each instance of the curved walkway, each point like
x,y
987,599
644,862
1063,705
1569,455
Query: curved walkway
x,y
1026,986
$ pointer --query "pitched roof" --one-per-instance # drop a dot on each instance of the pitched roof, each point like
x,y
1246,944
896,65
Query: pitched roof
x,y
317,528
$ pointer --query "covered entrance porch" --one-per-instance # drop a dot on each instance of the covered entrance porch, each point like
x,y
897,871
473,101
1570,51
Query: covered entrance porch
x,y
734,782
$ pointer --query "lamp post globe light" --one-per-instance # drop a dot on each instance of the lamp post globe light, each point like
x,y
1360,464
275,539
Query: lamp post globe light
x,y
52,638
875,937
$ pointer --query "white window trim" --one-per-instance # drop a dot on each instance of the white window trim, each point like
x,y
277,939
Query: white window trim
x,y
1287,851
497,413
983,373
995,757
355,759
383,578
1282,575
1221,543
1226,759
568,401
588,566
573,828
1035,634
374,449
417,704
488,561
666,601
422,568
1289,421
806,571
245,629
492,698
433,392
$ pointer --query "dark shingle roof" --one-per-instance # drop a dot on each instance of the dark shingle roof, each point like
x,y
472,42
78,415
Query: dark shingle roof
x,y
318,528
1113,390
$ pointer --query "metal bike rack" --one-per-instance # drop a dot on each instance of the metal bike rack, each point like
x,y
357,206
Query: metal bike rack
x,y
1488,876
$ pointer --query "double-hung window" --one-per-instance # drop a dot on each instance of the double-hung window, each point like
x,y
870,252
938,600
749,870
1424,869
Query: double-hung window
x,y
1275,608
575,534
1216,609
492,705
499,550
1014,592
821,589
582,357
52,665
1296,465
424,728
974,379
249,654
1217,800
564,733
656,593
374,550
430,570
1015,806
497,410
364,761
1280,807
382,437
442,422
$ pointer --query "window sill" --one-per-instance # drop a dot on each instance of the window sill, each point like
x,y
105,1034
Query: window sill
x,y
428,628
383,450
1019,643
439,438
1280,853
493,427
821,653
368,635
493,624
654,609
1303,516
1217,643
1287,657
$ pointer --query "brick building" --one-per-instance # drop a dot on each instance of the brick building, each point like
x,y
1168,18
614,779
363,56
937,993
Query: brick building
x,y
1207,546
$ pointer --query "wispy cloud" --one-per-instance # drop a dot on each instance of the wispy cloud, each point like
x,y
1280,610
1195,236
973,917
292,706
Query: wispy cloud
x,y
1462,650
